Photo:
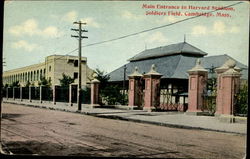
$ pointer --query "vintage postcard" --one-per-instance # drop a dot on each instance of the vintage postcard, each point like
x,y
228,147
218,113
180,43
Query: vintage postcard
x,y
162,79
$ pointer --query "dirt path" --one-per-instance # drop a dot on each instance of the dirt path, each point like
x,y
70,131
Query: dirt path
x,y
27,130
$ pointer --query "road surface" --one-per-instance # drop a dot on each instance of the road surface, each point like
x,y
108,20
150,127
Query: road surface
x,y
27,130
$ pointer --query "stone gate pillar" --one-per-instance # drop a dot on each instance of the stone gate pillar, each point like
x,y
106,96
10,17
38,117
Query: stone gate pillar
x,y
70,95
21,93
13,93
152,89
30,93
40,93
95,92
219,94
54,94
196,87
134,98
7,93
228,86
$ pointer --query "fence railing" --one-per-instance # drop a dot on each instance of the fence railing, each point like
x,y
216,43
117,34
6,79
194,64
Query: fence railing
x,y
43,93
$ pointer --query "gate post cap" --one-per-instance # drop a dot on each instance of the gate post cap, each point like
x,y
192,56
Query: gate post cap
x,y
198,67
135,73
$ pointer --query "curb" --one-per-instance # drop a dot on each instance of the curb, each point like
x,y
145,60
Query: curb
x,y
128,119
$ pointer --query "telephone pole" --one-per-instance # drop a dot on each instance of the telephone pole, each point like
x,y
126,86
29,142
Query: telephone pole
x,y
79,99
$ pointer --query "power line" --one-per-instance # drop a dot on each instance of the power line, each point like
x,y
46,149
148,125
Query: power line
x,y
159,27
147,30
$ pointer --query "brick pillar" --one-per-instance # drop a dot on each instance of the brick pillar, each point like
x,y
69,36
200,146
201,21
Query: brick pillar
x,y
41,89
152,89
21,93
70,95
133,93
196,87
219,92
30,93
227,88
95,92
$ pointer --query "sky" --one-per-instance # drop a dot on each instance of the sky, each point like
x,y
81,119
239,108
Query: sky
x,y
36,29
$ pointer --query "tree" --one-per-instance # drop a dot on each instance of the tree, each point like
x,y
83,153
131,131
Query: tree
x,y
65,81
241,104
109,92
27,84
44,82
15,84
6,85
102,78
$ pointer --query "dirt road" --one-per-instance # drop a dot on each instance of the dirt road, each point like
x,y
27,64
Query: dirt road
x,y
27,130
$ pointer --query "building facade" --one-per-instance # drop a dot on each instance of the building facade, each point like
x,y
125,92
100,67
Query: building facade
x,y
52,69
172,62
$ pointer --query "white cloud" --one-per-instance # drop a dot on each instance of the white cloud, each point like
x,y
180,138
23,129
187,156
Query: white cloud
x,y
51,31
217,28
30,27
199,30
156,37
234,29
167,19
90,22
128,15
70,16
22,44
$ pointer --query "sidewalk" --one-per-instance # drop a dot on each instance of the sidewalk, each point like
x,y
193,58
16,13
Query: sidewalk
x,y
170,119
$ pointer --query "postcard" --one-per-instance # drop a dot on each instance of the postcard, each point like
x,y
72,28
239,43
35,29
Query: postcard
x,y
163,79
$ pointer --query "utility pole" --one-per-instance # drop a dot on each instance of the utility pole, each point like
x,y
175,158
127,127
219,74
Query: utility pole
x,y
124,79
79,99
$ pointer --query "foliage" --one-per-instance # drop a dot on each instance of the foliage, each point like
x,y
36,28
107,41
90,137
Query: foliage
x,y
27,84
6,85
44,82
86,95
110,93
65,81
210,97
102,78
15,84
241,104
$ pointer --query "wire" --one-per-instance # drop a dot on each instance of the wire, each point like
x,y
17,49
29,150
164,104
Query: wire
x,y
159,27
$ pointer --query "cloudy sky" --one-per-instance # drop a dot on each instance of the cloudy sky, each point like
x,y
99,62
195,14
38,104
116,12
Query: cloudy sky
x,y
36,29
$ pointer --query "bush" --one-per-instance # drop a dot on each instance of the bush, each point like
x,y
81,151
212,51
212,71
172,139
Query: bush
x,y
241,103
112,95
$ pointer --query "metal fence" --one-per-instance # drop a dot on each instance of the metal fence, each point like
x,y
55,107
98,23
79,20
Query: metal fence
x,y
47,94
62,94
25,92
209,103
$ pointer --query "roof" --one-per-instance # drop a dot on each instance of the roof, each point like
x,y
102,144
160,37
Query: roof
x,y
175,66
173,49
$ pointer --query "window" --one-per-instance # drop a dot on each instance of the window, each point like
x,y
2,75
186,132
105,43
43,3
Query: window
x,y
75,63
75,75
49,68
